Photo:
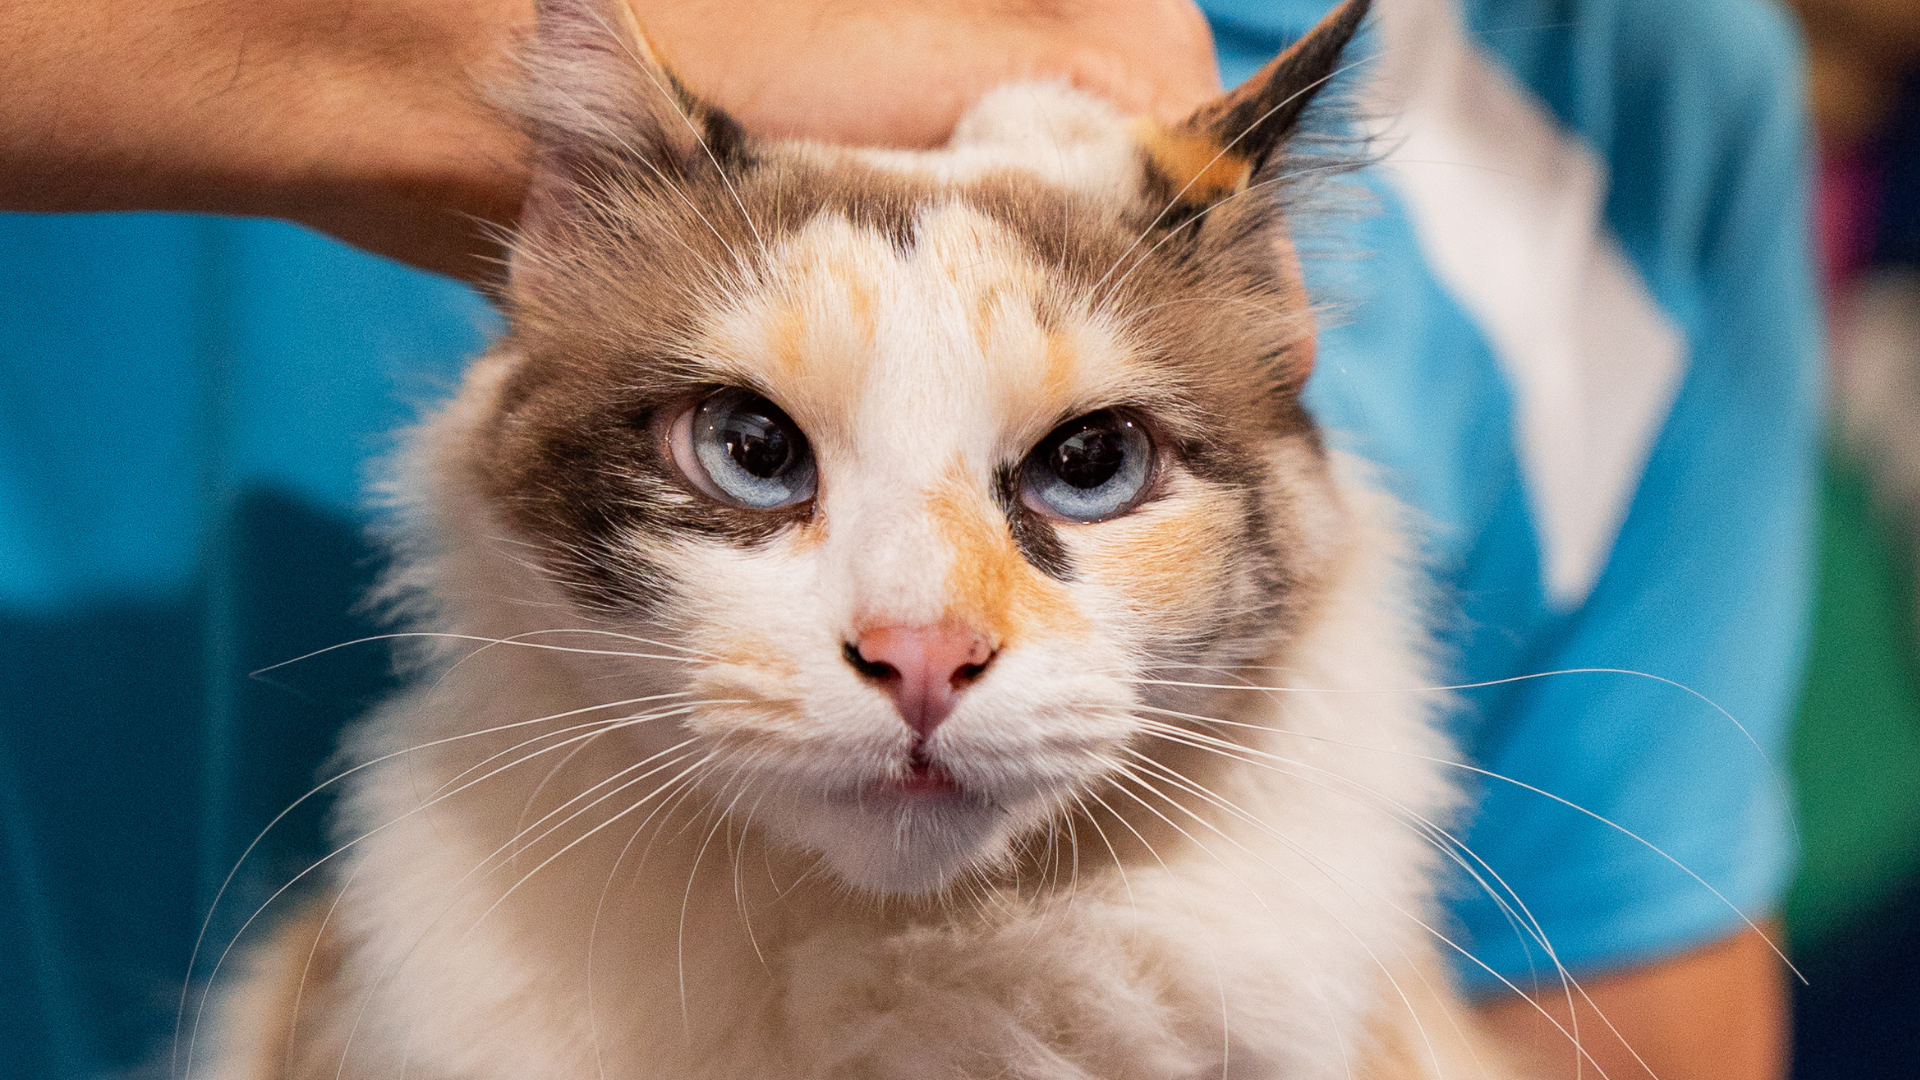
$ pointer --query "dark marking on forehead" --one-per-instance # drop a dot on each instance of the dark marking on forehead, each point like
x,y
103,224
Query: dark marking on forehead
x,y
787,196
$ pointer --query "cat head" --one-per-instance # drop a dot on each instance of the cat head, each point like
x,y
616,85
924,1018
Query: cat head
x,y
926,459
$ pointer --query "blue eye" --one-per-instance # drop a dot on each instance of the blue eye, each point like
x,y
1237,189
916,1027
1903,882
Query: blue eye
x,y
747,451
1090,469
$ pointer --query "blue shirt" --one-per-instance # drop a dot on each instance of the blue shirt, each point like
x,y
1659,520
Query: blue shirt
x,y
188,402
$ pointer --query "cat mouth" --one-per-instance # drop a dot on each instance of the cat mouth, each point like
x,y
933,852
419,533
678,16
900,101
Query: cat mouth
x,y
924,779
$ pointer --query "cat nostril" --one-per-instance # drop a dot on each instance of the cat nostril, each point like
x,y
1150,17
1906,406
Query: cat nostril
x,y
923,668
872,669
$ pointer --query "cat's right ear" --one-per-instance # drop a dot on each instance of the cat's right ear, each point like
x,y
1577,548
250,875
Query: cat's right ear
x,y
1236,141
602,105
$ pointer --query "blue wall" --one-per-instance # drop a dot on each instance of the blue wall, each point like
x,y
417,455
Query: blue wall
x,y
186,404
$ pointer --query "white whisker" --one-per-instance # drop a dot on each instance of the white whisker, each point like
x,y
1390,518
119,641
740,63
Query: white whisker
x,y
1543,793
207,920
1453,848
720,819
1321,864
404,635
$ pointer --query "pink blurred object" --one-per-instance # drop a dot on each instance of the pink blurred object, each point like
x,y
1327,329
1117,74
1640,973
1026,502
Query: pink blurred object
x,y
1848,207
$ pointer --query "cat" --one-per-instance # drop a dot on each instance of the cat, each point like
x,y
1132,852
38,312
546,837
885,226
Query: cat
x,y
853,589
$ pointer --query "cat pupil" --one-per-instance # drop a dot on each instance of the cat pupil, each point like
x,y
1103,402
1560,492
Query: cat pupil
x,y
1089,457
758,443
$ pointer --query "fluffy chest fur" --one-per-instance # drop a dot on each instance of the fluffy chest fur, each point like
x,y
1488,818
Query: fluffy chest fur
x,y
862,584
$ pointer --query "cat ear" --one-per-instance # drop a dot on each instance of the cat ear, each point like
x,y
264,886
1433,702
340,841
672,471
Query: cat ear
x,y
601,104
1230,142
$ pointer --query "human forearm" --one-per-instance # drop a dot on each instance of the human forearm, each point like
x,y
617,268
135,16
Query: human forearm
x,y
1716,1013
362,119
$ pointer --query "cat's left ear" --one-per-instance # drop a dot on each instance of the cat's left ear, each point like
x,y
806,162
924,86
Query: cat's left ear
x,y
601,104
1235,140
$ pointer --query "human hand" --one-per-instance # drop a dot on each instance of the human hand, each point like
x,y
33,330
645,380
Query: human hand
x,y
892,73
370,120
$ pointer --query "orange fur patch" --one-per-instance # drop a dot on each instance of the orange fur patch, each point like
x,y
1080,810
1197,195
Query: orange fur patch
x,y
990,586
1158,559
750,653
986,314
1200,168
861,305
811,534
789,340
815,333
1056,376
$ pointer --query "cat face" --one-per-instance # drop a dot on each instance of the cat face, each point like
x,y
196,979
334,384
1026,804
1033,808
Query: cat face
x,y
930,458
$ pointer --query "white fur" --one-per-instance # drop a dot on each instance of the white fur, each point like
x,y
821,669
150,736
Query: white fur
x,y
1051,130
1271,941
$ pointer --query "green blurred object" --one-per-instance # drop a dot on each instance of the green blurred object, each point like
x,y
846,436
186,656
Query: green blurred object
x,y
1856,747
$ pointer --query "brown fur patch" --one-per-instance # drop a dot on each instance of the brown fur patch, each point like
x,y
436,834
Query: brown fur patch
x,y
991,586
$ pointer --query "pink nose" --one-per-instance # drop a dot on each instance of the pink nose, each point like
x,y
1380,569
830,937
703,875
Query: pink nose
x,y
923,668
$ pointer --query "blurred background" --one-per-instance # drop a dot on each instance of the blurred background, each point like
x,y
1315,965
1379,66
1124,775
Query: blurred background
x,y
191,516
1854,912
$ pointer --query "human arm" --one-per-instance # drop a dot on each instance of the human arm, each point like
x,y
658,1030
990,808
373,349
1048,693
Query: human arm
x,y
370,120
1718,1012
363,120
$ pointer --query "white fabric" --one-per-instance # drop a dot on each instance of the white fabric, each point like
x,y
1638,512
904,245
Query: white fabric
x,y
1509,209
